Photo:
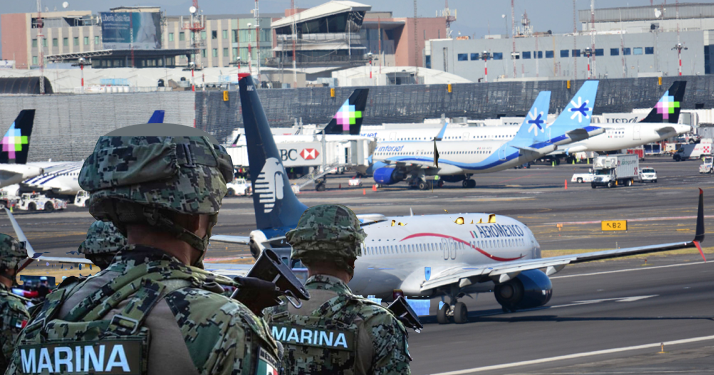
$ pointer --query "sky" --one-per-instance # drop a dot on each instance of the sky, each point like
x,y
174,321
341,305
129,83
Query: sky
x,y
476,18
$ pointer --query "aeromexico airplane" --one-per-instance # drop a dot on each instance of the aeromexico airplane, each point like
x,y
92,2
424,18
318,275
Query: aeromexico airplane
x,y
60,178
456,161
447,255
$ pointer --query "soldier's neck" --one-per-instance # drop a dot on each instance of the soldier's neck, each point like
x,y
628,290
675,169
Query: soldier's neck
x,y
329,271
5,281
147,236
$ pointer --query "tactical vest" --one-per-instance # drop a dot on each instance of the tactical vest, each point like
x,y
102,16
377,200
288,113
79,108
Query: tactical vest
x,y
322,342
83,342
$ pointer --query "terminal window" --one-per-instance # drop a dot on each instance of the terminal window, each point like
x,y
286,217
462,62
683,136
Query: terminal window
x,y
564,53
526,54
463,57
614,51
55,43
498,55
86,40
203,35
637,51
44,42
76,40
626,51
225,34
474,56
427,60
96,40
599,52
215,52
214,34
649,50
548,54
171,37
65,42
225,52
538,54
34,60
182,36
576,53
34,43
235,36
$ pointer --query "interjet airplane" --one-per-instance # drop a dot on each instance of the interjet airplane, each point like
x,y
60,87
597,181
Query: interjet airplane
x,y
458,160
446,255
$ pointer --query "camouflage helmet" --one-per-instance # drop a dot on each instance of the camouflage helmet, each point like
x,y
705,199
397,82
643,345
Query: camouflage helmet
x,y
140,173
102,238
329,232
12,252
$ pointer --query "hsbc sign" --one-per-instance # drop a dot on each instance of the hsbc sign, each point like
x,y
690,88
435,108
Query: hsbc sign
x,y
309,153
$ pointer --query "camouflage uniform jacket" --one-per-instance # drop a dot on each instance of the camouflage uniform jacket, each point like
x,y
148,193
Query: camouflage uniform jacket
x,y
13,317
193,328
381,340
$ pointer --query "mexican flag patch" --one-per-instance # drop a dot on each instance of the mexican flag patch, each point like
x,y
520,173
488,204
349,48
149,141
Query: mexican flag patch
x,y
267,365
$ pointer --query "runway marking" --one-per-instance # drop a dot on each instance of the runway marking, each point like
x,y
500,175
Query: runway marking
x,y
626,270
633,220
577,355
591,301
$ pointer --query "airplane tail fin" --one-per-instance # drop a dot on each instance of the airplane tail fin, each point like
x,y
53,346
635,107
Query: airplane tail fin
x,y
275,204
348,119
16,142
667,108
578,113
533,127
157,117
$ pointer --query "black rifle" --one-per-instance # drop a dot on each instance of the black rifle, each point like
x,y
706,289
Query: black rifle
x,y
268,280
400,307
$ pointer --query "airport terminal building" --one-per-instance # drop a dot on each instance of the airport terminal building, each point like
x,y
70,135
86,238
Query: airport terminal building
x,y
628,42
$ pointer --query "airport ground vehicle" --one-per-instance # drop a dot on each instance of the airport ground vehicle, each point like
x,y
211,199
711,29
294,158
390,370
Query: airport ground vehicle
x,y
583,177
81,199
707,165
694,151
355,182
37,201
615,170
239,186
7,199
648,174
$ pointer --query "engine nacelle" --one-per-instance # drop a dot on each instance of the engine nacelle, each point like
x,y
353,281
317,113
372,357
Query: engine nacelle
x,y
453,178
529,289
388,176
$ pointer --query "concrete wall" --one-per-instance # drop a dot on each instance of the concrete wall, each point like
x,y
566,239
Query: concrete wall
x,y
427,29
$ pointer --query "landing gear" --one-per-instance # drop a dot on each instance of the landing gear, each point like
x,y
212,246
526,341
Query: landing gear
x,y
461,313
442,316
424,185
468,183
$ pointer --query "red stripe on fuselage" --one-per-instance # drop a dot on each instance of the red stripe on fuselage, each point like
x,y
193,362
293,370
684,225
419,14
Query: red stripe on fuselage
x,y
499,259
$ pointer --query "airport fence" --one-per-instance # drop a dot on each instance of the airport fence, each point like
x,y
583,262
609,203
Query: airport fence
x,y
67,126
414,103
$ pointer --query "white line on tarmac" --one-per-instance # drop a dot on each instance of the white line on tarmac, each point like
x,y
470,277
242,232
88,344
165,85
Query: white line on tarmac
x,y
577,355
631,220
626,270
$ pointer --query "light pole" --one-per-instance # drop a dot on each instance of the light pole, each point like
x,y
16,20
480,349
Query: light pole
x,y
237,64
371,60
679,47
191,67
80,63
588,52
485,56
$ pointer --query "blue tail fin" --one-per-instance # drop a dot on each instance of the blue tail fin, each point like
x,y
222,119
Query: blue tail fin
x,y
578,113
16,142
533,127
348,119
157,117
667,108
274,202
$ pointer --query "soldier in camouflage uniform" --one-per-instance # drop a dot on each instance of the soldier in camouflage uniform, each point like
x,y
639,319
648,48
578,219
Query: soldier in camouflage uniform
x,y
13,308
153,310
103,242
335,332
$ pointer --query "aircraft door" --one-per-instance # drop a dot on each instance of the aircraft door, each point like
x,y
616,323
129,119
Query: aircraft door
x,y
454,246
502,152
445,247
636,132
465,137
392,136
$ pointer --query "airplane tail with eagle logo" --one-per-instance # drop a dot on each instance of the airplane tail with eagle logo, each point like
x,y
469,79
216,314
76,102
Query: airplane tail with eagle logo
x,y
16,142
348,119
276,206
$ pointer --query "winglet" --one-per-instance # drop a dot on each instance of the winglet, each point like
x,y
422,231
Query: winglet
x,y
440,136
699,236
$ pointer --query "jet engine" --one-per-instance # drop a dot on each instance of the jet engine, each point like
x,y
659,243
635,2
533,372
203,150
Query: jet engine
x,y
388,175
529,289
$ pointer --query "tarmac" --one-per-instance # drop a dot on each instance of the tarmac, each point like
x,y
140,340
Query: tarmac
x,y
604,317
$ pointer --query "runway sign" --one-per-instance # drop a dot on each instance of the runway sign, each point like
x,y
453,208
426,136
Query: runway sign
x,y
613,225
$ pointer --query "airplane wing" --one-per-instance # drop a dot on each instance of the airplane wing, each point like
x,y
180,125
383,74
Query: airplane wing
x,y
32,255
500,272
228,269
242,240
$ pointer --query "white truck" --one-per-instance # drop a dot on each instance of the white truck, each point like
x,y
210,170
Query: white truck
x,y
707,165
582,178
8,196
81,199
239,186
615,170
694,151
39,202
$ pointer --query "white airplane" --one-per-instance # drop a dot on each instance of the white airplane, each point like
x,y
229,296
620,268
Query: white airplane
x,y
661,123
448,255
15,147
61,178
456,161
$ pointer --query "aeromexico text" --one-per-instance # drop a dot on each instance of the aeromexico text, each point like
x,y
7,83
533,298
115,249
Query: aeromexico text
x,y
498,230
